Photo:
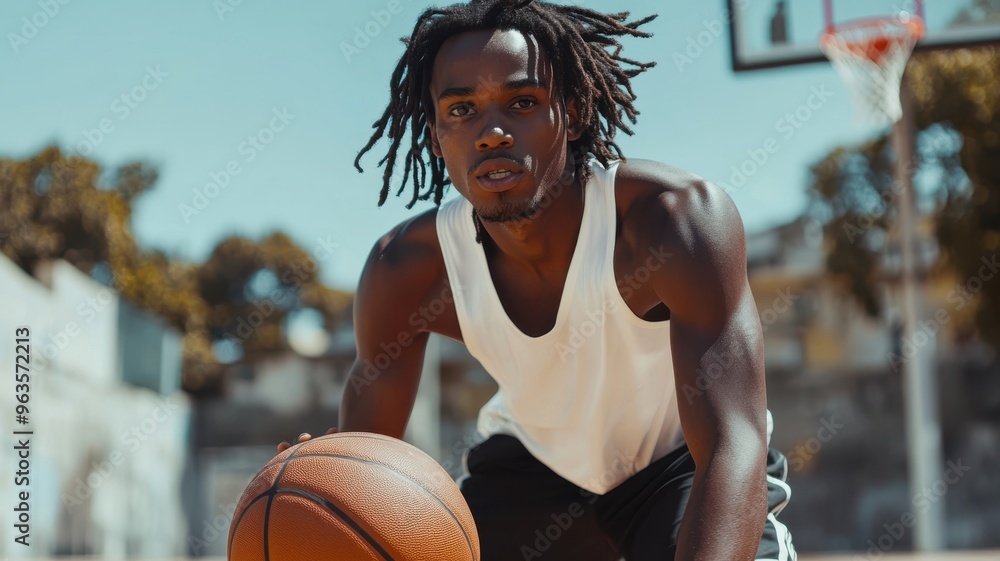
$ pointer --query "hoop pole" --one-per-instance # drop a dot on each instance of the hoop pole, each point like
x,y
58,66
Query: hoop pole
x,y
828,14
923,427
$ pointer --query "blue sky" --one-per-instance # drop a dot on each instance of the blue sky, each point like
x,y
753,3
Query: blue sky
x,y
199,81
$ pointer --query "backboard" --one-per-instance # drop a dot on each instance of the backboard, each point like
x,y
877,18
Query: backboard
x,y
774,33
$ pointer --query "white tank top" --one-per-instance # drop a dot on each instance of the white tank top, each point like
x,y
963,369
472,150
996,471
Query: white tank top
x,y
593,399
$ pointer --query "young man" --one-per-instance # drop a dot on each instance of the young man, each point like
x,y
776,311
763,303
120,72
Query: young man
x,y
608,298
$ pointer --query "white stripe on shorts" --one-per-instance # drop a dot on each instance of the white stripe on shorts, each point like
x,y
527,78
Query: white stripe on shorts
x,y
785,550
788,494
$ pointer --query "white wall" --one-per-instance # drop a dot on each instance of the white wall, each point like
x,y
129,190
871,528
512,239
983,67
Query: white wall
x,y
106,457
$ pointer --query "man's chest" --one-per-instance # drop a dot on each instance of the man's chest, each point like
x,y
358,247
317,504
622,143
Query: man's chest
x,y
534,307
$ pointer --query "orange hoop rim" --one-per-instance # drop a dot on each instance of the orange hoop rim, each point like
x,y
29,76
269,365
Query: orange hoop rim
x,y
871,55
914,25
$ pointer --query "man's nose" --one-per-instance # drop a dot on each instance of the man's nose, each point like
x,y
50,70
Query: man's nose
x,y
494,137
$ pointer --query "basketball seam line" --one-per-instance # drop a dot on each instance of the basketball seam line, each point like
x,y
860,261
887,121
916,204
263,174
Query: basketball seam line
x,y
236,523
270,493
411,480
274,490
270,498
342,515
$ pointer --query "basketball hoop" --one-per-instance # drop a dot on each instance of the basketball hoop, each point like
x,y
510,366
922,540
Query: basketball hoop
x,y
870,55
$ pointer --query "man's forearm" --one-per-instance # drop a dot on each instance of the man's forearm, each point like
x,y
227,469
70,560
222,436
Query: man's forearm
x,y
726,511
374,406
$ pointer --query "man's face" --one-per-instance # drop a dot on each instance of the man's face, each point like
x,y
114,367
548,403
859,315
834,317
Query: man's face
x,y
499,123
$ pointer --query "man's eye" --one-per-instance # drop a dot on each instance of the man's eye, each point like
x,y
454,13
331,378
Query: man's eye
x,y
460,110
524,103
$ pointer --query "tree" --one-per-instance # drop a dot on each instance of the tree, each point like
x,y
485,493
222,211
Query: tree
x,y
51,207
56,207
250,288
957,177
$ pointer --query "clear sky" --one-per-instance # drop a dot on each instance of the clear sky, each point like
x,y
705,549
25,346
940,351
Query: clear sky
x,y
198,81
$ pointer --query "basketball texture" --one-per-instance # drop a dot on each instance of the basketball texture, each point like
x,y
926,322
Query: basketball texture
x,y
352,496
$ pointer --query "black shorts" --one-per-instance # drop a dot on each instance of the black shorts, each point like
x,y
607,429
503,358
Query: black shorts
x,y
524,511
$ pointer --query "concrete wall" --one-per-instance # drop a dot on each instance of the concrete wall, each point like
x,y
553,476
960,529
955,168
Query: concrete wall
x,y
106,456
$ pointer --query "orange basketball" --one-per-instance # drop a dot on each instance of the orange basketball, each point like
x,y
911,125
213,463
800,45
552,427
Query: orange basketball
x,y
352,496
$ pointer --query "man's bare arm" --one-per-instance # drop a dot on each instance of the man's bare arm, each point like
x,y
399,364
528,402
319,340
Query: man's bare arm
x,y
382,384
717,350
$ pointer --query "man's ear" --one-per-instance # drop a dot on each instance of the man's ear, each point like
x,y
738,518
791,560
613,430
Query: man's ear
x,y
435,145
574,128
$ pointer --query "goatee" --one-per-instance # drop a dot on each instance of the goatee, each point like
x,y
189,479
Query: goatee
x,y
505,211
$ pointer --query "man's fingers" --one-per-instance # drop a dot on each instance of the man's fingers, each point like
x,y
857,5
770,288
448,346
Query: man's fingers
x,y
301,438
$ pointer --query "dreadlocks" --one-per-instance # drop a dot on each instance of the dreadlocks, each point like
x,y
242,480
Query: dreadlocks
x,y
576,40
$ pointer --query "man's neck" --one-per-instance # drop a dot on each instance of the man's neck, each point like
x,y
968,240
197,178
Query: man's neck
x,y
545,243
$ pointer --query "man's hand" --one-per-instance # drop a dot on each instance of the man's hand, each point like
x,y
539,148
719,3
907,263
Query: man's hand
x,y
302,438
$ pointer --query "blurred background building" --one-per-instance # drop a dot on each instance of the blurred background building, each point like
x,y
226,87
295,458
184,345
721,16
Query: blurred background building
x,y
835,390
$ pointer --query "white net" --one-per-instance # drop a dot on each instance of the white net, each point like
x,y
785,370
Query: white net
x,y
870,55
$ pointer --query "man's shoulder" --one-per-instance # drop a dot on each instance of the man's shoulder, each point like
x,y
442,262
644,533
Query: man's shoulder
x,y
411,242
657,188
662,203
408,253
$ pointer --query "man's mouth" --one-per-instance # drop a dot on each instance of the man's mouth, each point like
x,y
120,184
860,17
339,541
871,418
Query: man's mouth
x,y
499,174
499,180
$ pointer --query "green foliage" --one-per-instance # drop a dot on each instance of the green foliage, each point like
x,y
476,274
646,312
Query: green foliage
x,y
50,207
957,174
244,280
53,206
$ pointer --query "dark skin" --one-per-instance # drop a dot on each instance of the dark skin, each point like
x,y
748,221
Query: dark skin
x,y
515,111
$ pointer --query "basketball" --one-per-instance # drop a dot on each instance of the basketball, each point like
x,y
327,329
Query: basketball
x,y
352,497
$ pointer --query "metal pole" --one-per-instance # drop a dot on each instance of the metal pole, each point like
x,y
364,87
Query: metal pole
x,y
923,427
